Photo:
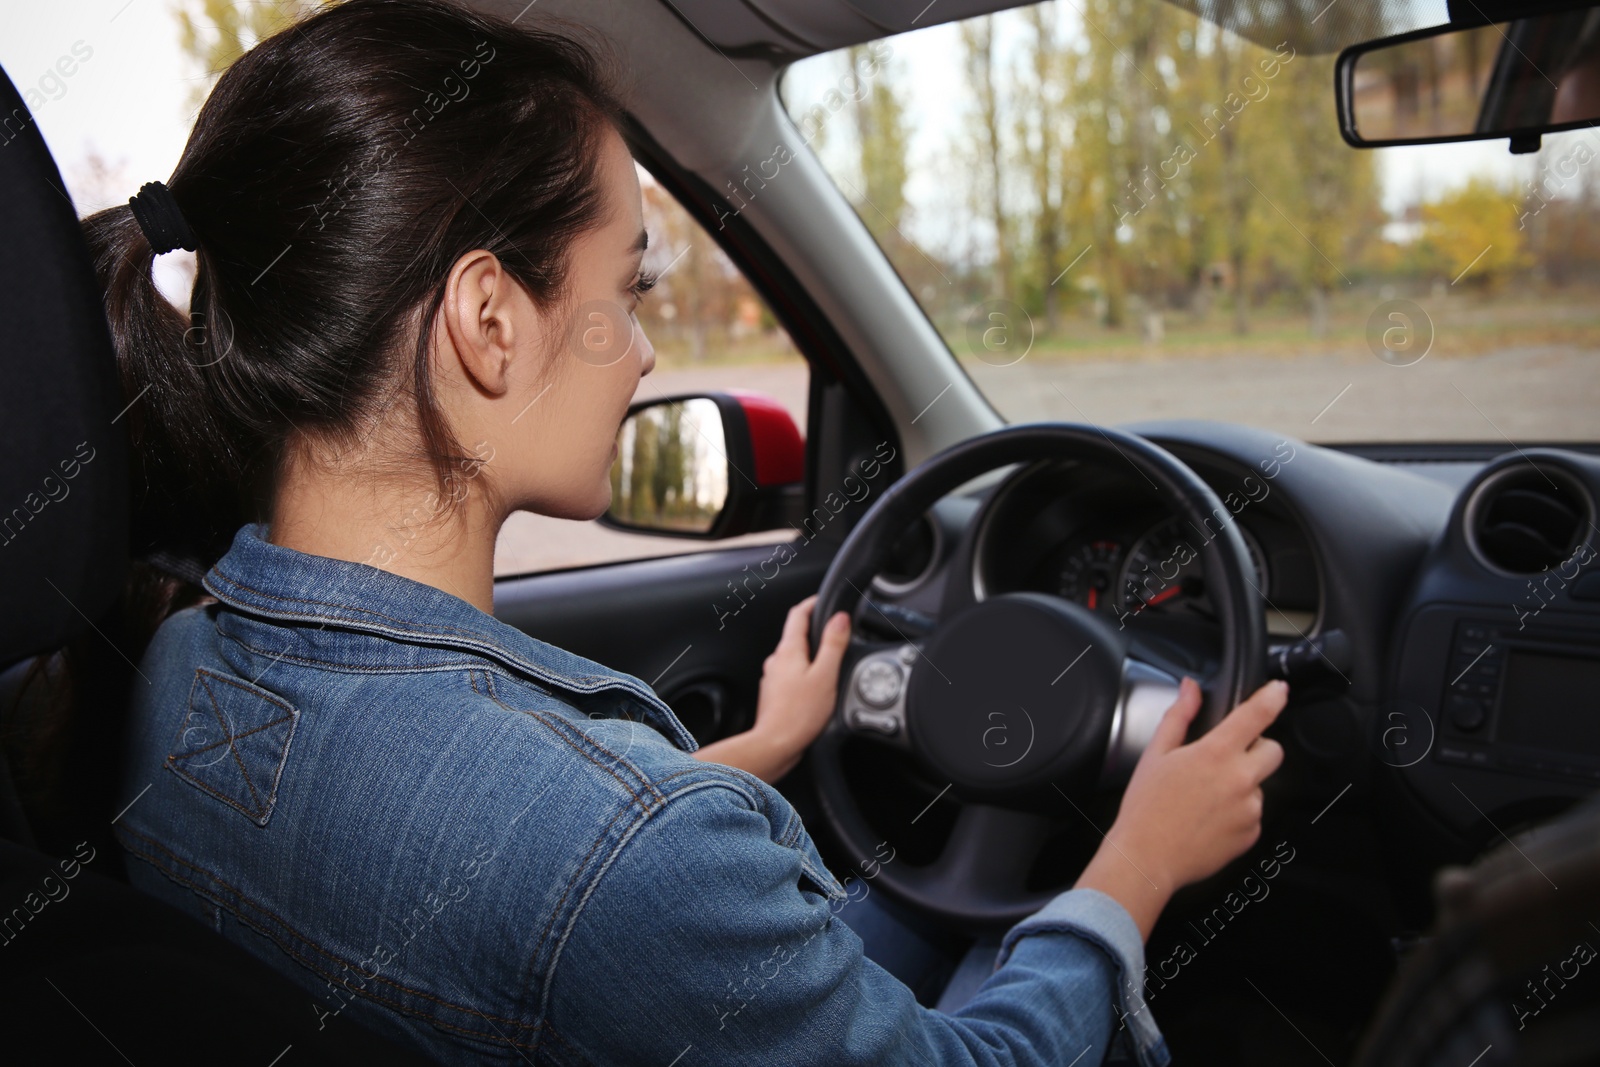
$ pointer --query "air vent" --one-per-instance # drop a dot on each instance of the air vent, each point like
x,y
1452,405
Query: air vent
x,y
1527,519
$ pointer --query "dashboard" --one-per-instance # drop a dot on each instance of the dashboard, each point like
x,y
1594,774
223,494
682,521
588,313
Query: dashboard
x,y
1465,597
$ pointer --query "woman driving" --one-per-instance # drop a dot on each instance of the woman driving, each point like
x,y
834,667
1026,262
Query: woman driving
x,y
463,837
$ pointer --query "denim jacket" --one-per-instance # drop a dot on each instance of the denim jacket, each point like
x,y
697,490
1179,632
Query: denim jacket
x,y
500,852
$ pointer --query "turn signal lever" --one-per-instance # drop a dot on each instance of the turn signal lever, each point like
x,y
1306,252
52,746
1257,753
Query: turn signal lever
x,y
1319,665
891,620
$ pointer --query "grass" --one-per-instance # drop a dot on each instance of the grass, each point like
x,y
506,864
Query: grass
x,y
1466,324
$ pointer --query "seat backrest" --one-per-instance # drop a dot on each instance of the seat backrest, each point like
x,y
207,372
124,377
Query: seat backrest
x,y
168,987
64,500
64,493
1504,965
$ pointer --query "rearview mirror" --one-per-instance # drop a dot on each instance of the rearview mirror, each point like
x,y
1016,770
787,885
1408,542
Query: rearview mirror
x,y
707,466
1516,79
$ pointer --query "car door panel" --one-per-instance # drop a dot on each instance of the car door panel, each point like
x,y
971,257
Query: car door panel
x,y
696,627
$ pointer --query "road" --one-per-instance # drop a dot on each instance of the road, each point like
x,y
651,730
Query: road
x,y
1534,394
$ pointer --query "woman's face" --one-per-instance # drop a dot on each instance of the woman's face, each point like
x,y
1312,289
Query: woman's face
x,y
547,388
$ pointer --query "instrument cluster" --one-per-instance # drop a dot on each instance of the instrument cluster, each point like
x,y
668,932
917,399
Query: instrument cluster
x,y
1095,537
1156,568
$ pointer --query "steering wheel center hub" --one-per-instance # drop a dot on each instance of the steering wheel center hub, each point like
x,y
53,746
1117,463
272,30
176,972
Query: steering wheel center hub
x,y
1014,693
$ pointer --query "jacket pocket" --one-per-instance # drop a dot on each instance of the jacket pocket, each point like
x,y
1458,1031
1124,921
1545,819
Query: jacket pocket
x,y
233,743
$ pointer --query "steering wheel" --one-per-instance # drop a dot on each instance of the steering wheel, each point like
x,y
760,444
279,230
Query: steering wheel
x,y
1020,695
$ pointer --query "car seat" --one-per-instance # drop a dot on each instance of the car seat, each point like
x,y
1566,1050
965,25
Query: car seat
x,y
1511,972
91,970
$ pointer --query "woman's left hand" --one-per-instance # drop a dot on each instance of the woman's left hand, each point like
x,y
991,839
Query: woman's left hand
x,y
797,697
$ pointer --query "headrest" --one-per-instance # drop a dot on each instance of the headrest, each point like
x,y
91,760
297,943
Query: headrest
x,y
64,518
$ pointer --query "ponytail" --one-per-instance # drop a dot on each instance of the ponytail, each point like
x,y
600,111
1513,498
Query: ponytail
x,y
187,471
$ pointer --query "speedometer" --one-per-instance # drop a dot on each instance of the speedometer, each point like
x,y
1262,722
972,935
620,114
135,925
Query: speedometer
x,y
1164,572
1086,573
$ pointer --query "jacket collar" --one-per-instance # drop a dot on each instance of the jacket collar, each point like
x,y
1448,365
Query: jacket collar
x,y
260,578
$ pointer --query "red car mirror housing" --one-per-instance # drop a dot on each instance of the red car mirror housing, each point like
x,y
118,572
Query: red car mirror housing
x,y
776,443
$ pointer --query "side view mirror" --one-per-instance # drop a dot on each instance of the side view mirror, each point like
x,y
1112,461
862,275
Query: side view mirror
x,y
707,466
1518,79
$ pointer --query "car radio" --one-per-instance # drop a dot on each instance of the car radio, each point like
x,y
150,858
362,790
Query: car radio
x,y
1522,700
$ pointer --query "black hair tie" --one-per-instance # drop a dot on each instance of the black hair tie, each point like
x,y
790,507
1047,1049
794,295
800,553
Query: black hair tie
x,y
156,211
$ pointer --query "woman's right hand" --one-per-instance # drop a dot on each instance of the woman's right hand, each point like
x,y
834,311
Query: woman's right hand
x,y
1189,808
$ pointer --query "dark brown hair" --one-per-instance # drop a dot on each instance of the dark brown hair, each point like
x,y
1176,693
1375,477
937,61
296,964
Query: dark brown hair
x,y
334,175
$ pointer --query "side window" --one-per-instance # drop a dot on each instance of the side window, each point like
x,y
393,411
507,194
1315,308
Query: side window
x,y
711,332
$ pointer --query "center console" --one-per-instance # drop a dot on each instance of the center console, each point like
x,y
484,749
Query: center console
x,y
1522,698
1492,704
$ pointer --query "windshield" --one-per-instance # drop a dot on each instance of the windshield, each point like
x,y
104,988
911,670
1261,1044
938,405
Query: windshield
x,y
1115,211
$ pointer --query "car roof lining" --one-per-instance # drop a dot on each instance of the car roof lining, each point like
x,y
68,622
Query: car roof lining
x,y
794,29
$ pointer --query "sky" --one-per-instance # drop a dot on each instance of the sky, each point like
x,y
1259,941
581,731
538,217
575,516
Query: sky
x,y
129,100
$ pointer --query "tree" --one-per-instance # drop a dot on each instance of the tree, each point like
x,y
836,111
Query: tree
x,y
1097,206
1120,99
1331,192
214,33
699,287
1560,211
977,43
881,134
1471,234
1238,202
1041,140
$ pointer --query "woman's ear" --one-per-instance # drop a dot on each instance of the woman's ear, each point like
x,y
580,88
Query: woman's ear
x,y
478,317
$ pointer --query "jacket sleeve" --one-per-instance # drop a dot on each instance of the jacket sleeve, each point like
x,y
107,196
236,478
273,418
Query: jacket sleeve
x,y
707,942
